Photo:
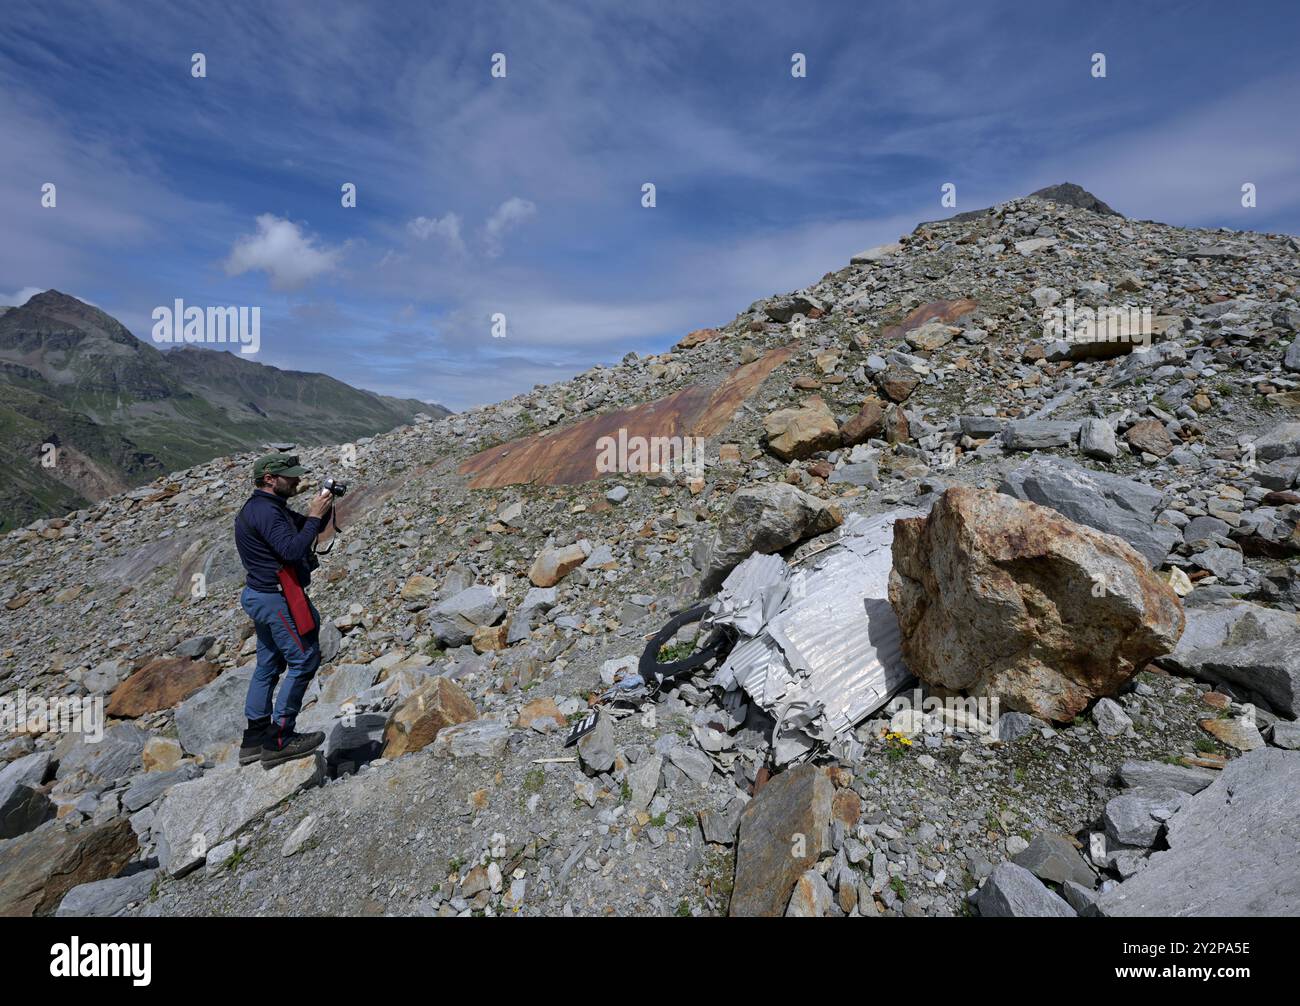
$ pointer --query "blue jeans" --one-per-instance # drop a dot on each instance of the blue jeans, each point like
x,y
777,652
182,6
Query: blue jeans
x,y
279,647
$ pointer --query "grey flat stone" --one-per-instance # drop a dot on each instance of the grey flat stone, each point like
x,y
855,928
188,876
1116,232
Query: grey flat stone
x,y
481,738
213,717
1012,892
1135,818
1053,857
1232,848
1283,441
1083,899
861,474
1285,734
1038,434
106,898
22,807
1159,775
115,756
1248,646
1097,440
195,817
147,787
1100,500
695,763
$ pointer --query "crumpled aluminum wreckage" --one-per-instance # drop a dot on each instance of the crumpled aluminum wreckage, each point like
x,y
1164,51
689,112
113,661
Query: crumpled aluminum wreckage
x,y
814,643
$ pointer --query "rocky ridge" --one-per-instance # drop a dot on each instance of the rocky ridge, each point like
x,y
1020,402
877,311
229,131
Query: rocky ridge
x,y
468,627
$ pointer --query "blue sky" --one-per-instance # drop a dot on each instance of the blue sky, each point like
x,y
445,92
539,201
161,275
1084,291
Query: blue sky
x,y
522,195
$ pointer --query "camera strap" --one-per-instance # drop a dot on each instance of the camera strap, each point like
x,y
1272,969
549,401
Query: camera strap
x,y
334,522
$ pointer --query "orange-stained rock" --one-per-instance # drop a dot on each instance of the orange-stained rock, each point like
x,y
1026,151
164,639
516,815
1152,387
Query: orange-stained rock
x,y
489,637
798,433
700,335
868,423
569,456
553,564
439,703
1002,598
160,684
540,709
946,311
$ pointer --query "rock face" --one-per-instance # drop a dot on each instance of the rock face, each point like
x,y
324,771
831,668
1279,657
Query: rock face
x,y
1006,599
39,868
798,433
199,815
1069,194
160,684
438,703
766,519
1232,848
1109,503
783,832
1247,646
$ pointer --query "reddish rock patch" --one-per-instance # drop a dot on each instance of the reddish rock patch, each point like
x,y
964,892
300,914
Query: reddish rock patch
x,y
568,457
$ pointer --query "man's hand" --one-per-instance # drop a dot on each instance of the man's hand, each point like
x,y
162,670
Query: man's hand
x,y
320,505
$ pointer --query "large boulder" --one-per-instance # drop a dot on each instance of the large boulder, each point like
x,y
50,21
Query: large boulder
x,y
764,518
1001,598
802,432
783,832
1109,503
37,869
1232,848
160,684
200,815
1253,649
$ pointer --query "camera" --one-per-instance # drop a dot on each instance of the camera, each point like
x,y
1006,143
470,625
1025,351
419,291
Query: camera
x,y
334,486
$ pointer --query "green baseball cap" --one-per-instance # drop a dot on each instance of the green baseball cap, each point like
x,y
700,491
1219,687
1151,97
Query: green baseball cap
x,y
279,464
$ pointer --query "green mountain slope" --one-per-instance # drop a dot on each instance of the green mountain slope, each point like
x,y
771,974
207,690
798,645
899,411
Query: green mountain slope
x,y
122,412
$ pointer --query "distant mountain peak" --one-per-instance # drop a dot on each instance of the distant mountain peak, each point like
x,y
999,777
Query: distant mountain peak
x,y
1069,194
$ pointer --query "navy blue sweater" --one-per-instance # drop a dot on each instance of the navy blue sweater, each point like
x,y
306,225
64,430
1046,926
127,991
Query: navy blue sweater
x,y
269,535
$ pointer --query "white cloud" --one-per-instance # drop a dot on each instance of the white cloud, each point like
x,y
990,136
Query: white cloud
x,y
511,213
446,228
21,297
280,249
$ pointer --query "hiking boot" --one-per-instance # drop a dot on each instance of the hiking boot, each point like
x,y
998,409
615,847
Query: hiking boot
x,y
255,736
284,745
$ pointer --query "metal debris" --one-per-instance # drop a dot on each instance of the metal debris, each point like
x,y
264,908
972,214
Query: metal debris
x,y
818,646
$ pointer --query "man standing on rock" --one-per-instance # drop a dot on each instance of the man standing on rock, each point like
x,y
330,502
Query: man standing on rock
x,y
275,545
